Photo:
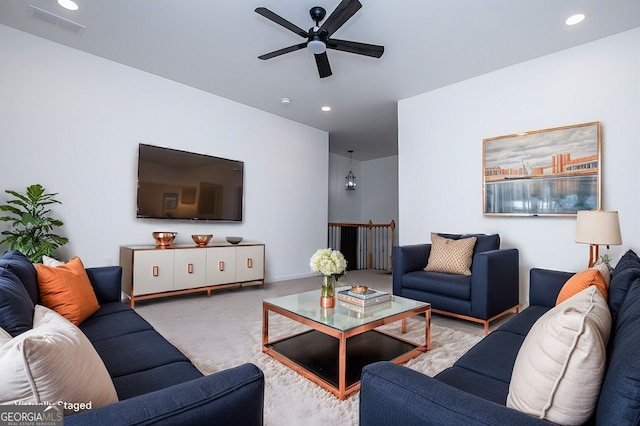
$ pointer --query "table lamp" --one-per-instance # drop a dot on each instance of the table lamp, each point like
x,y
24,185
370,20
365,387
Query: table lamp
x,y
596,228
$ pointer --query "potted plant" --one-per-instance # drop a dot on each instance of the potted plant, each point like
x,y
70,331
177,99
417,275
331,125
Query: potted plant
x,y
607,261
31,224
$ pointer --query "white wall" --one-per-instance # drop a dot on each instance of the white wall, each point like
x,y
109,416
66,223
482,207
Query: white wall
x,y
380,190
440,147
72,122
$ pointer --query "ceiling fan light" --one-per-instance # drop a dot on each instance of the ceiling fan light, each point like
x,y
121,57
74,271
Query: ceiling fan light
x,y
68,4
316,46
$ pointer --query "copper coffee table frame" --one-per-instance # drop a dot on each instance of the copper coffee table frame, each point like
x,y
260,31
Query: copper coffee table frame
x,y
305,309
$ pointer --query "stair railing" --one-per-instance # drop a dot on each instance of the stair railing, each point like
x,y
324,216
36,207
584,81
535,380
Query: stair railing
x,y
374,243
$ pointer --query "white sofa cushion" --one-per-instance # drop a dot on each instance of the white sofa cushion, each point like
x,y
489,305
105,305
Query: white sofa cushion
x,y
54,362
561,363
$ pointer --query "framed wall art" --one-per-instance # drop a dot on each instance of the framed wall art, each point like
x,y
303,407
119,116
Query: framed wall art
x,y
170,201
550,172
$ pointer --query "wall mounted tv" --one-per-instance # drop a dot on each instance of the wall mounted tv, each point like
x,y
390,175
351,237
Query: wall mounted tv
x,y
175,184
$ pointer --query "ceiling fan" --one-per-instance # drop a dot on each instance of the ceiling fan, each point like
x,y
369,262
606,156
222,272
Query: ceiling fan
x,y
318,37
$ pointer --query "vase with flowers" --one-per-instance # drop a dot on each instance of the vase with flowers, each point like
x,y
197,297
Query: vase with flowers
x,y
333,266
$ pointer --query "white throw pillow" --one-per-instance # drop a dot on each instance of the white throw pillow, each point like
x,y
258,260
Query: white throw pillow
x,y
50,261
53,362
4,337
561,363
604,270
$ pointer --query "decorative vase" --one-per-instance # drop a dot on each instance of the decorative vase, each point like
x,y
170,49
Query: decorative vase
x,y
327,294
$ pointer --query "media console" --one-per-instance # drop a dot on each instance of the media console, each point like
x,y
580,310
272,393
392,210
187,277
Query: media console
x,y
150,272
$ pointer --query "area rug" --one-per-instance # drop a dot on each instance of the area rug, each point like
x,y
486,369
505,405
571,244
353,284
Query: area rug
x,y
290,399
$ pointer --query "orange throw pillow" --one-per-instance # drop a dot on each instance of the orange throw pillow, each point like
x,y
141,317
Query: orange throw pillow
x,y
580,281
67,290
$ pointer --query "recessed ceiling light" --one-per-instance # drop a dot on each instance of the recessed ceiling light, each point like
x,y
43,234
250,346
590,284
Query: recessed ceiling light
x,y
326,108
68,4
575,19
285,101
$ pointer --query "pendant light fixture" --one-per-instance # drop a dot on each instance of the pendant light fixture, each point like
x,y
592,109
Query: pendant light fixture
x,y
350,180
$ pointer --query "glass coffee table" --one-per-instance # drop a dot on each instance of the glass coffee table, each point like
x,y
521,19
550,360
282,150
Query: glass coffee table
x,y
341,340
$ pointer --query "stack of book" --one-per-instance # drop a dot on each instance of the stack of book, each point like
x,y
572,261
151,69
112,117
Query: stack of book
x,y
369,298
357,311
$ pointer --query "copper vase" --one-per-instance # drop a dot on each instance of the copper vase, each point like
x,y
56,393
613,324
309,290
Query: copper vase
x,y
327,295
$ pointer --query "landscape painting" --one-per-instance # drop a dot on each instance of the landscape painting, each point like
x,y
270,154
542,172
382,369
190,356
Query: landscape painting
x,y
550,172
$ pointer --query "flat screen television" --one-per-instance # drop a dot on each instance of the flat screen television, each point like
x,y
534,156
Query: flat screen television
x,y
182,185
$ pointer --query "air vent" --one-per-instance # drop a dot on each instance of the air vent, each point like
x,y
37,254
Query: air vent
x,y
56,20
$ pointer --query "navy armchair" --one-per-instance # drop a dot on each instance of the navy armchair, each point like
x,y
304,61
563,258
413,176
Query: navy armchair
x,y
491,291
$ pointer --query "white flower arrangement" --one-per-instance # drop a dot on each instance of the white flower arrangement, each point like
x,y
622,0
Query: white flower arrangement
x,y
329,263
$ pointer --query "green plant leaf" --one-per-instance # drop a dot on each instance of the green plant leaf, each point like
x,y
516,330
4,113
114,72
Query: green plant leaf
x,y
11,209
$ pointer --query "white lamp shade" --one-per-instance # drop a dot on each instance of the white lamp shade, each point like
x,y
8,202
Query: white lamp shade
x,y
598,227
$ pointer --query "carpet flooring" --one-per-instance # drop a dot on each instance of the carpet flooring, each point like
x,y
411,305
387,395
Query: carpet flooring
x,y
224,330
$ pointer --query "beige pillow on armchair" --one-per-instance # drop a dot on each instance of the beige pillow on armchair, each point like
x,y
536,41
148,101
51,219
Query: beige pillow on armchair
x,y
451,256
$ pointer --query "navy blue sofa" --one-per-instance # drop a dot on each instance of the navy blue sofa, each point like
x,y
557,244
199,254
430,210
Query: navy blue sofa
x,y
155,382
474,390
492,290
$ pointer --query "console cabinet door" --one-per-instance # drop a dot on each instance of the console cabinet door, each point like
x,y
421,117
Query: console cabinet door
x,y
221,262
249,263
152,271
189,268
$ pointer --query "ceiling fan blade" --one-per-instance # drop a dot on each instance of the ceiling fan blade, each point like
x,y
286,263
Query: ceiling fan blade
x,y
345,10
282,51
372,50
281,21
322,61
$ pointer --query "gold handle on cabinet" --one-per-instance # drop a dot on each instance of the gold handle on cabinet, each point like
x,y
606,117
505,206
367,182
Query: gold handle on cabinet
x,y
221,266
190,268
249,263
154,271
